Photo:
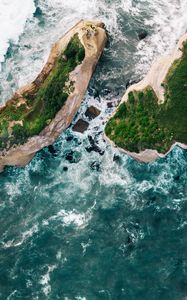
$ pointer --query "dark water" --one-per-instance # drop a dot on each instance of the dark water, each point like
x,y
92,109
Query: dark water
x,y
101,226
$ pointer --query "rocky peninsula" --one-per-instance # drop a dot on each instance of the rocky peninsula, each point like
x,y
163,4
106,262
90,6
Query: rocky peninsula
x,y
152,117
38,113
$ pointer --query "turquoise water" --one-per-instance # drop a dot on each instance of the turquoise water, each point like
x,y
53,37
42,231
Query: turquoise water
x,y
102,226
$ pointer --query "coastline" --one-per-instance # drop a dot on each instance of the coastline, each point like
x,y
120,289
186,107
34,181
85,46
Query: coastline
x,y
154,78
94,43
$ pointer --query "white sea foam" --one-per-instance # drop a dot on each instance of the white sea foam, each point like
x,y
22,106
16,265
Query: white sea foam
x,y
45,280
13,16
72,217
20,240
10,297
168,22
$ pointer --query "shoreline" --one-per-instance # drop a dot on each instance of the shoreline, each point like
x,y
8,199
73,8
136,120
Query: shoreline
x,y
154,78
93,37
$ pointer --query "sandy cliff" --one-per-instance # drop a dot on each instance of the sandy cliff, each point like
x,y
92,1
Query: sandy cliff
x,y
93,37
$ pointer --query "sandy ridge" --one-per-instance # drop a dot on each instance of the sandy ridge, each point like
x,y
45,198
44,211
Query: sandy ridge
x,y
93,39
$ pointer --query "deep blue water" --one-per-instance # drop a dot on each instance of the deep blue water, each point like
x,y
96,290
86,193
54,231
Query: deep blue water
x,y
103,226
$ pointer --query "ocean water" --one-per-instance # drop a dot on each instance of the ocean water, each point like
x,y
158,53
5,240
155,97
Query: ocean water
x,y
103,226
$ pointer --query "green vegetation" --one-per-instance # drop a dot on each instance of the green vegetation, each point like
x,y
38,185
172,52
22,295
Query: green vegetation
x,y
141,123
19,122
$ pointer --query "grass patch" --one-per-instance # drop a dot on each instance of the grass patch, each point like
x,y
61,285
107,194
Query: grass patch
x,y
141,123
42,105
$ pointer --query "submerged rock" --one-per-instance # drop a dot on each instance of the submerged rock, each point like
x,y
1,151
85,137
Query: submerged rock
x,y
73,156
177,178
142,34
95,166
52,150
94,147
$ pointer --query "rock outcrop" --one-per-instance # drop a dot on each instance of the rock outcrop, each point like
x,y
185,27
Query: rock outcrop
x,y
93,37
155,80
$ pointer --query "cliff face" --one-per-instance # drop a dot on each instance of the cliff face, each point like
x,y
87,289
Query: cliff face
x,y
33,129
152,116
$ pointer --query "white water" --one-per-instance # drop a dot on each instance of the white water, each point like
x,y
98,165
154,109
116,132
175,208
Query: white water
x,y
13,17
165,21
42,198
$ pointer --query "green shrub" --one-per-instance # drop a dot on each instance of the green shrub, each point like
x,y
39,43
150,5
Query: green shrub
x,y
149,125
43,104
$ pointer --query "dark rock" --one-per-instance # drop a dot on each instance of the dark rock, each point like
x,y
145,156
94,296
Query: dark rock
x,y
130,245
94,147
52,150
117,158
69,138
74,140
65,169
176,178
73,156
93,92
81,126
151,200
142,34
106,92
110,104
92,112
69,156
130,82
95,166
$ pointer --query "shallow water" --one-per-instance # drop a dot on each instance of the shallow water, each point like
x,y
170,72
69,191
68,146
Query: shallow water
x,y
105,226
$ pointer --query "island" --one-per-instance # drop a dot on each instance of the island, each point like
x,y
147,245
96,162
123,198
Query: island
x,y
152,116
39,112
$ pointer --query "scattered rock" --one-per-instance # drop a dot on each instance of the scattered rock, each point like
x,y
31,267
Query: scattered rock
x,y
110,104
151,200
142,34
106,92
52,150
65,169
69,156
81,126
73,156
69,138
130,82
95,166
92,112
94,147
176,178
93,92
116,158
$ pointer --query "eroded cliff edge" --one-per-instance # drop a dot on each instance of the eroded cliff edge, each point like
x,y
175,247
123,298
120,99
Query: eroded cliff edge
x,y
37,113
152,117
